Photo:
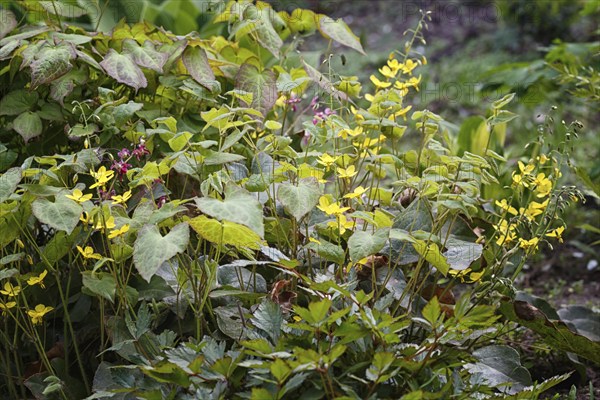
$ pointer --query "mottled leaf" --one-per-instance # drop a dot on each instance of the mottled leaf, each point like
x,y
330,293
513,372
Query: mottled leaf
x,y
124,70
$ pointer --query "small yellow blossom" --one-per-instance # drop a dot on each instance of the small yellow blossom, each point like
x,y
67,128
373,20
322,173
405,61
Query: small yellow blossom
x,y
102,177
330,208
108,224
341,223
409,66
388,72
121,199
379,84
526,170
534,209
7,306
85,218
506,207
78,196
531,244
313,240
394,65
542,159
118,232
507,233
88,252
10,290
35,280
519,180
344,133
359,191
543,185
347,172
38,313
327,160
557,233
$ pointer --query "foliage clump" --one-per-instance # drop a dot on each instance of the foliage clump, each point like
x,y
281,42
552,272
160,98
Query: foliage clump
x,y
215,216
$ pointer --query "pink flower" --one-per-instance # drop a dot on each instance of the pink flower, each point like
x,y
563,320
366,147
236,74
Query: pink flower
x,y
120,167
140,151
124,153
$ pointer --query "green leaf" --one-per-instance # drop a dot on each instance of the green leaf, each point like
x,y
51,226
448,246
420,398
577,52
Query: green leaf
x,y
50,64
362,244
339,31
196,63
225,233
431,253
8,22
473,135
268,317
8,183
432,311
151,249
239,206
501,367
262,85
461,254
555,333
59,246
503,101
17,102
145,56
99,284
62,215
28,125
585,321
123,69
299,200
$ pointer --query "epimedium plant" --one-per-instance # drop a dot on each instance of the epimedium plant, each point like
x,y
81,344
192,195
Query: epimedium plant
x,y
219,217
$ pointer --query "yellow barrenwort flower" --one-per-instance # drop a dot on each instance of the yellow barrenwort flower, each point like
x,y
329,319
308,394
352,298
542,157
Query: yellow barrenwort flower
x,y
379,84
102,176
408,66
347,172
542,159
531,244
7,306
88,252
35,280
118,232
359,191
330,208
121,199
344,133
109,224
507,233
388,72
38,313
10,290
341,223
327,160
85,218
543,185
534,209
503,204
78,196
557,233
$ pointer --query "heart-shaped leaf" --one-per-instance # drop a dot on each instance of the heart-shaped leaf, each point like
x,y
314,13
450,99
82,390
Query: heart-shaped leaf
x,y
123,69
299,200
501,367
145,56
339,31
151,249
8,183
362,244
62,215
225,233
28,125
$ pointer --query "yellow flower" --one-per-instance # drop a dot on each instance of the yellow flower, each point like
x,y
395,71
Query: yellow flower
x,y
6,306
557,233
341,223
529,244
534,209
121,199
507,233
108,224
543,185
518,180
10,290
330,208
88,252
118,232
394,65
34,280
344,133
388,72
78,196
85,218
38,313
542,159
347,172
400,113
379,84
102,176
526,170
313,240
359,191
356,114
327,160
506,207
408,66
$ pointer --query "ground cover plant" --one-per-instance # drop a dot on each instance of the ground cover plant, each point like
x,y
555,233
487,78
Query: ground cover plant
x,y
211,214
